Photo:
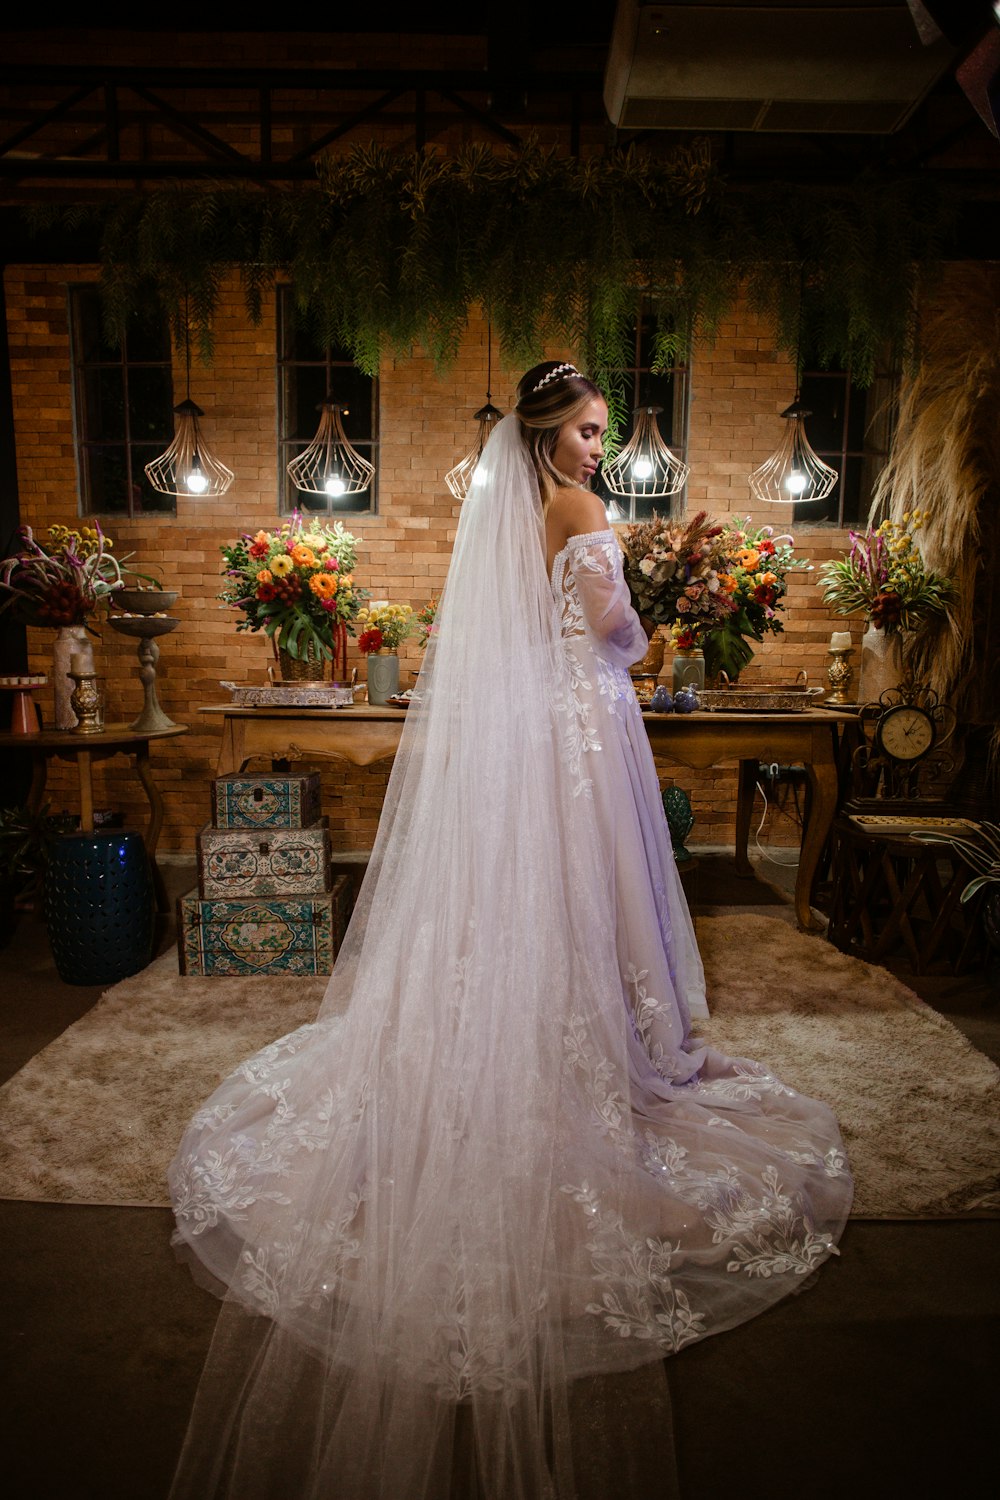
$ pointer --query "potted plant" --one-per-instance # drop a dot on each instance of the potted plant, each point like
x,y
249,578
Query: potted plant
x,y
385,628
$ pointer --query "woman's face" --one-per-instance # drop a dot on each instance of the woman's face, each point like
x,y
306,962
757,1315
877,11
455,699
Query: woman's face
x,y
579,445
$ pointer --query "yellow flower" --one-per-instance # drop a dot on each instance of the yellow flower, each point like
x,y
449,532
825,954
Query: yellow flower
x,y
282,565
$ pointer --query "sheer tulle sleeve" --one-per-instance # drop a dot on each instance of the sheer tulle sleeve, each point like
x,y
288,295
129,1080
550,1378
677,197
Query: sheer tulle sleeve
x,y
612,624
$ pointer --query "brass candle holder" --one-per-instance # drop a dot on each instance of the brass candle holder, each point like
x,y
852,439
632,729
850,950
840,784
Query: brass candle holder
x,y
87,703
840,674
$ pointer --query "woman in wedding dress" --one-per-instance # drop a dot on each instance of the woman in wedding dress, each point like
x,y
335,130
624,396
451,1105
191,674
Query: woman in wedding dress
x,y
499,1161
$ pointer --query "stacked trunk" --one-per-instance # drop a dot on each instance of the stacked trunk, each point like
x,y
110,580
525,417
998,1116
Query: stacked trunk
x,y
266,901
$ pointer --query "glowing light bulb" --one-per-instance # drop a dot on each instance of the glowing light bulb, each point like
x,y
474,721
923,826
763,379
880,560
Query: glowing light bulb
x,y
643,467
196,480
796,482
334,485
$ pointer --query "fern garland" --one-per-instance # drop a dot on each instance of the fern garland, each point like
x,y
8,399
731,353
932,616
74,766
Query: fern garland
x,y
396,247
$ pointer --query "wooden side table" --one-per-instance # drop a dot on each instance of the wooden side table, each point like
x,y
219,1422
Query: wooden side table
x,y
85,749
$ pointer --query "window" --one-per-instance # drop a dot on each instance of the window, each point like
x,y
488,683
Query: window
x,y
309,374
123,405
668,390
850,429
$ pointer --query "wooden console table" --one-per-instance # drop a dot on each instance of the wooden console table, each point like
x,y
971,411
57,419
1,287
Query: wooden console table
x,y
85,749
363,734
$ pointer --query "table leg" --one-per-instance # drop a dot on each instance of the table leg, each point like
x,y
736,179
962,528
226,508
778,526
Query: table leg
x,y
152,834
823,786
231,754
746,788
85,766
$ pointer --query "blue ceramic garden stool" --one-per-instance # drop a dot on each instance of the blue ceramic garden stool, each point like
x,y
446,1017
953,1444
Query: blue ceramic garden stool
x,y
99,907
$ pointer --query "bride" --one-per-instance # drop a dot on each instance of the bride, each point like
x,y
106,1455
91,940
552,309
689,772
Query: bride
x,y
499,1161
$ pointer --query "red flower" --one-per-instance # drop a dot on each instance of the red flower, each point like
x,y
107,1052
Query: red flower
x,y
886,609
765,548
259,549
764,594
370,640
265,592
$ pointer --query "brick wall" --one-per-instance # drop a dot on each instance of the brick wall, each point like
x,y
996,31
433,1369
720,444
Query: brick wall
x,y
738,389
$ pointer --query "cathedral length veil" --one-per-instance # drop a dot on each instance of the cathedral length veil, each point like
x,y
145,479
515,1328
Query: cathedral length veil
x,y
448,1199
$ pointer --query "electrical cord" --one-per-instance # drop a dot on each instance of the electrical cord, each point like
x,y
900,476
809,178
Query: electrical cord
x,y
786,864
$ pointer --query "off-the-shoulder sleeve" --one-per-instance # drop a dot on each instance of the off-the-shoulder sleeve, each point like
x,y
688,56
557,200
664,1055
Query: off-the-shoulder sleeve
x,y
612,624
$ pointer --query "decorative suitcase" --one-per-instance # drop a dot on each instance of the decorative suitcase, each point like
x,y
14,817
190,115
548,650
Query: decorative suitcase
x,y
261,935
238,862
272,801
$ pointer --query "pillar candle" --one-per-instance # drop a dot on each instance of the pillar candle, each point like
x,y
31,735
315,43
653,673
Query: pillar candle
x,y
840,640
78,664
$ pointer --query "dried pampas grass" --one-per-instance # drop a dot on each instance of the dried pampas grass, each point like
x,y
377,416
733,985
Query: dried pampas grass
x,y
945,460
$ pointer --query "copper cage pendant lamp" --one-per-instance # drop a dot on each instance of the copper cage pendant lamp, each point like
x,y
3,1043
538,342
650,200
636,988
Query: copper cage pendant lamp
x,y
646,468
188,467
330,465
462,476
794,474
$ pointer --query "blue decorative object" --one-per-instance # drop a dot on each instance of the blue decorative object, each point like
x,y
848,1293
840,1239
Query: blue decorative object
x,y
99,907
680,820
686,701
661,702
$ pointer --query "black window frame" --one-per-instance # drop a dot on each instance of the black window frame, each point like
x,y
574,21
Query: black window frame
x,y
339,373
139,497
869,410
669,389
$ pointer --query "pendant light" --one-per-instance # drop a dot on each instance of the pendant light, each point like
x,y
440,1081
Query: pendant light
x,y
646,469
330,465
462,476
188,467
794,474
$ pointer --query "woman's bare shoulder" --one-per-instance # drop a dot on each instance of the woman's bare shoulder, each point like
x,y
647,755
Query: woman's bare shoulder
x,y
579,512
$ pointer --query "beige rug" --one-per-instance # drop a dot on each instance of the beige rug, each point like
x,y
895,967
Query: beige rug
x,y
96,1116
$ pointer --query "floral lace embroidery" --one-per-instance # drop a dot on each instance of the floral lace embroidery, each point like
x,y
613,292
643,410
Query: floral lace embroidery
x,y
318,1260
646,1012
639,1300
495,1357
609,1104
749,1081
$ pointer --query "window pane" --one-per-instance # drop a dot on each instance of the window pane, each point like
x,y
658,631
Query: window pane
x,y
124,409
105,400
307,377
150,391
107,481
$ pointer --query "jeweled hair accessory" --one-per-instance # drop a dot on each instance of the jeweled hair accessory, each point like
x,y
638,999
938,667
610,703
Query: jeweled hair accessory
x,y
557,374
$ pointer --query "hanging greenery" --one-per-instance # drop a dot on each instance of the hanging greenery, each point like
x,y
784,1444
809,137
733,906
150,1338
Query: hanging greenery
x,y
394,248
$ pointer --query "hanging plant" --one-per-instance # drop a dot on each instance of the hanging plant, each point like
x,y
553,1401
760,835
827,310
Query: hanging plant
x,y
395,247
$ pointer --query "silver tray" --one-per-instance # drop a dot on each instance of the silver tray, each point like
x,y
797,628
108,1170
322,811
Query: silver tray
x,y
760,700
291,695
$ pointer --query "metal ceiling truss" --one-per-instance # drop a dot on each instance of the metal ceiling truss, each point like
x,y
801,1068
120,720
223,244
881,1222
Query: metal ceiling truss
x,y
118,106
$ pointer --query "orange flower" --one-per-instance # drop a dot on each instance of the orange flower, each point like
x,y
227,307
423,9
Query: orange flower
x,y
303,555
768,578
748,557
265,576
727,583
324,585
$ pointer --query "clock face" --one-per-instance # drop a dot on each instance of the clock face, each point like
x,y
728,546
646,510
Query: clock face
x,y
906,733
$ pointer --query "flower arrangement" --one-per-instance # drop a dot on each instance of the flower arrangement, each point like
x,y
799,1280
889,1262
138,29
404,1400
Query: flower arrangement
x,y
884,577
426,622
386,626
714,585
673,571
62,580
297,586
754,578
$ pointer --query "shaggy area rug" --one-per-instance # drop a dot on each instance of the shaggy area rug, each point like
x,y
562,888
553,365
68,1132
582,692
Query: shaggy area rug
x,y
96,1116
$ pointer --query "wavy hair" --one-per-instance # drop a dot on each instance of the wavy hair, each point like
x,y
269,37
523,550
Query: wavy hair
x,y
542,413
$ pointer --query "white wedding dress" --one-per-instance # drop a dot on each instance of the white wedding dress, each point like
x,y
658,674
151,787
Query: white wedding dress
x,y
499,1161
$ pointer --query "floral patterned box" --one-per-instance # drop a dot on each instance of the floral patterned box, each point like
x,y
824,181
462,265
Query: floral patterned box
x,y
261,934
237,862
270,801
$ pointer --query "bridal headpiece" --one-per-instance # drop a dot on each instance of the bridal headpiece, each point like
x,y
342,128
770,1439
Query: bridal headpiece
x,y
559,373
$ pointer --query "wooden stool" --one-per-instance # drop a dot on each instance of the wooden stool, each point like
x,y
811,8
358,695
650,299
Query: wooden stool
x,y
892,893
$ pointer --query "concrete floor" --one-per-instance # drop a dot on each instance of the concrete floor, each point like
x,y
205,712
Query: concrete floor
x,y
881,1379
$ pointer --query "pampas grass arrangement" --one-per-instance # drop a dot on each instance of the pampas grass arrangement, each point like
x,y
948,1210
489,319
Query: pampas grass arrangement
x,y
945,462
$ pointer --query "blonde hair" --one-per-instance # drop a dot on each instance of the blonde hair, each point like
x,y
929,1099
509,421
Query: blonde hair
x,y
548,396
